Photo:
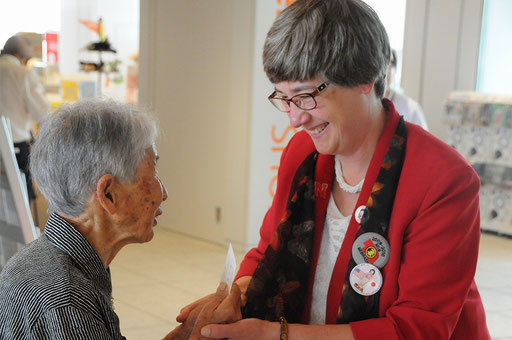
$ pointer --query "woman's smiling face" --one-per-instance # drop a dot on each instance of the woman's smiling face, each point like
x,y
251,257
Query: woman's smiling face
x,y
338,124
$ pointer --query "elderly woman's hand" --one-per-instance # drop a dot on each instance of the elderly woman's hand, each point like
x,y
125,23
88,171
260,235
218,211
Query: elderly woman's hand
x,y
215,308
219,310
242,284
183,331
186,311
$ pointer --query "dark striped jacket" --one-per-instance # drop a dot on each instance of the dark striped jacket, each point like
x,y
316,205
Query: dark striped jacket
x,y
57,288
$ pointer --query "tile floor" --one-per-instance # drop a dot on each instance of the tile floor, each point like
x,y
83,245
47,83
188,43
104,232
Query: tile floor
x,y
151,282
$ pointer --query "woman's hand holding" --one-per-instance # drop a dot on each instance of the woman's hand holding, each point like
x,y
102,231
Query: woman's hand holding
x,y
249,329
246,329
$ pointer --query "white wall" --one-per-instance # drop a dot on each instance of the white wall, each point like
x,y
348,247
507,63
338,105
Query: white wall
x,y
195,73
43,16
392,15
121,21
270,130
441,46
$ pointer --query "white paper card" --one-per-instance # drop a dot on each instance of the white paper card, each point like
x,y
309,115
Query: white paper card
x,y
228,274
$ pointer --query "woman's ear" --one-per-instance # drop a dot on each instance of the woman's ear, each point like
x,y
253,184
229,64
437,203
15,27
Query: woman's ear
x,y
366,88
106,193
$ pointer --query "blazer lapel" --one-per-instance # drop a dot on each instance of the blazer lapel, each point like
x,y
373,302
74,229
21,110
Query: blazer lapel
x,y
324,175
340,268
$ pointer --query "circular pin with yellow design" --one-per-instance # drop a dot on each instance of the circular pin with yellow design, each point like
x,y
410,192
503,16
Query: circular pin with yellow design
x,y
366,279
371,248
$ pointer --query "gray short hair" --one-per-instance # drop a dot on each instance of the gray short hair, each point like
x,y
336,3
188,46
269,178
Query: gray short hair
x,y
18,45
84,141
341,41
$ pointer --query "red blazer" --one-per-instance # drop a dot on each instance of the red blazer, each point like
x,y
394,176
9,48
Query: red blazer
x,y
428,289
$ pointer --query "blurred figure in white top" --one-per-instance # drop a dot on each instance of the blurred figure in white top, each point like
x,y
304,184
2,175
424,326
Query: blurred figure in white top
x,y
406,106
21,99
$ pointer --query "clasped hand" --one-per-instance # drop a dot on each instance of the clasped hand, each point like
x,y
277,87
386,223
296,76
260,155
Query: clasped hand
x,y
217,308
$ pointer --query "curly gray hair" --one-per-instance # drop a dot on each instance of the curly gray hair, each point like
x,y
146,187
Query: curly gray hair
x,y
341,41
84,141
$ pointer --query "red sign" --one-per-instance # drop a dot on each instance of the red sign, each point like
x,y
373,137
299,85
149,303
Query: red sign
x,y
52,47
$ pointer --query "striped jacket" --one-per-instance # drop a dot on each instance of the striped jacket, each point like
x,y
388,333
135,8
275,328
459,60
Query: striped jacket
x,y
57,288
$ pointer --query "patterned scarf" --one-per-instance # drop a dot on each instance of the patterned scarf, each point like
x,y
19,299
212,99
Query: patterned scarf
x,y
279,283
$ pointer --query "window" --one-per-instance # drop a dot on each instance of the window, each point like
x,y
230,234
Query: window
x,y
494,64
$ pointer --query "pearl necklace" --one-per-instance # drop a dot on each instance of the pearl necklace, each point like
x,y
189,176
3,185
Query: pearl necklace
x,y
341,181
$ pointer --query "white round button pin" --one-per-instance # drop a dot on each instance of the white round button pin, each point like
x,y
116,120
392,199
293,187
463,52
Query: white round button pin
x,y
366,279
362,214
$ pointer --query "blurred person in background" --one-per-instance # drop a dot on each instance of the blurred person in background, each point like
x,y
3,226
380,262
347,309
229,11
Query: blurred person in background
x,y
405,106
22,100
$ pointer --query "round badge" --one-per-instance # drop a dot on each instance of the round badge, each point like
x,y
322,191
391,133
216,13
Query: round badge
x,y
371,248
362,214
366,279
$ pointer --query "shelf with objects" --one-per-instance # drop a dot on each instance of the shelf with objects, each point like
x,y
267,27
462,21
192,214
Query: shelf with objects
x,y
108,68
480,128
95,68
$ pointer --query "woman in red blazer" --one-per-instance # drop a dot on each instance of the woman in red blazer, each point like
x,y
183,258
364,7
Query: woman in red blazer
x,y
374,228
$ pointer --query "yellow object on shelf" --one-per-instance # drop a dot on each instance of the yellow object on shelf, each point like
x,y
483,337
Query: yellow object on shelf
x,y
55,101
70,90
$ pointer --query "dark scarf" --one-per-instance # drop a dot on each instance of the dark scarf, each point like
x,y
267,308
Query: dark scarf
x,y
279,283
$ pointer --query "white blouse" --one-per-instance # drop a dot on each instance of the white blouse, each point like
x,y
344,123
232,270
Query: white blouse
x,y
335,228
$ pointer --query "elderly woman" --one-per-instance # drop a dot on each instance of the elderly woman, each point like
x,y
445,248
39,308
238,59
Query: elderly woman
x,y
95,162
373,232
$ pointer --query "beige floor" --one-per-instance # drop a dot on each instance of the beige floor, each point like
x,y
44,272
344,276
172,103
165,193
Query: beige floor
x,y
153,281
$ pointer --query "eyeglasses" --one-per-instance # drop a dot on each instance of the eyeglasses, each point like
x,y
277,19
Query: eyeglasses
x,y
305,101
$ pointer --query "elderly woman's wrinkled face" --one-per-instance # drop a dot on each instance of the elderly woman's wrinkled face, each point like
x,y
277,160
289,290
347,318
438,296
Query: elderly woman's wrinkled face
x,y
338,124
143,201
